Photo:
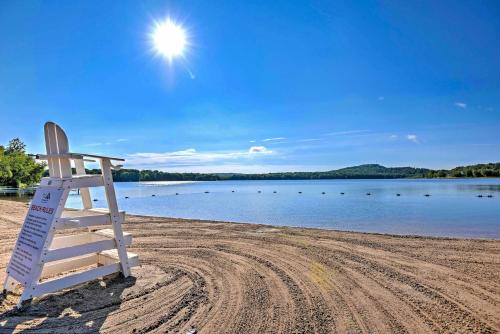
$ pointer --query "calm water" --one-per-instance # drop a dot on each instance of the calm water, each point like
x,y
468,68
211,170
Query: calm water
x,y
453,209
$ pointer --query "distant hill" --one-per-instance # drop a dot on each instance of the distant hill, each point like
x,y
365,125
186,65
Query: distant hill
x,y
374,171
369,171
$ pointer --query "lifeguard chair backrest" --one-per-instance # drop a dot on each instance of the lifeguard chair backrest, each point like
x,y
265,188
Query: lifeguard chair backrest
x,y
56,142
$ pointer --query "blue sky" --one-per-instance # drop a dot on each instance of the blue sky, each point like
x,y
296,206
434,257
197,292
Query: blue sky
x,y
264,85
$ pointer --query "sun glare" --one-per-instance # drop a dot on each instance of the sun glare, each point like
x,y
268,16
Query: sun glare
x,y
169,39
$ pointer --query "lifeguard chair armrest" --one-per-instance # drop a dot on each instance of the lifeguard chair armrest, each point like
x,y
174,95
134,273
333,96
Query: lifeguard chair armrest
x,y
60,155
74,156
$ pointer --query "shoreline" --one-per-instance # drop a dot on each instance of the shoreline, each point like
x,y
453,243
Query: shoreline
x,y
223,277
312,229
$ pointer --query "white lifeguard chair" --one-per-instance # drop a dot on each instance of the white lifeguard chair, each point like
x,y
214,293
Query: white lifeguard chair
x,y
39,257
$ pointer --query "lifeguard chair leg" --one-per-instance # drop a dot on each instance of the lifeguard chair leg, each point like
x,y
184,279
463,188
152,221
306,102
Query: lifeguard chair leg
x,y
84,192
115,216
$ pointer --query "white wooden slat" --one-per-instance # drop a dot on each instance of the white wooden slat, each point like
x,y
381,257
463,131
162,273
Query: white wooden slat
x,y
60,155
84,181
56,267
91,247
74,182
51,182
111,256
85,218
65,223
101,157
84,192
51,146
71,280
63,147
64,241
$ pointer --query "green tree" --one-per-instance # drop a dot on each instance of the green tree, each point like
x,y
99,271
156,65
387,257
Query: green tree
x,y
17,169
15,146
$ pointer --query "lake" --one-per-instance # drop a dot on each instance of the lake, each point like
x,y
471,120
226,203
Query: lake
x,y
452,209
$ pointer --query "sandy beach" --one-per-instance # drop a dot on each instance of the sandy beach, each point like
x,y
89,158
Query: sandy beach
x,y
219,277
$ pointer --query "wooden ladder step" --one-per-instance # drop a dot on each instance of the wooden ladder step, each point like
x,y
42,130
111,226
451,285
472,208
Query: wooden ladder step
x,y
108,262
111,256
74,279
64,247
103,258
56,267
74,182
85,218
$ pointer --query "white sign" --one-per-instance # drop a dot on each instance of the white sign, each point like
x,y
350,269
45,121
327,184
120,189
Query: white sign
x,y
33,234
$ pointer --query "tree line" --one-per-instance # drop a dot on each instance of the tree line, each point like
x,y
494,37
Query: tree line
x,y
18,169
371,171
479,170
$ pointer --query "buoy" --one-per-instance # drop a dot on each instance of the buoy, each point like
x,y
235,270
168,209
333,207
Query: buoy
x,y
368,194
232,191
153,195
300,192
126,196
426,195
479,195
177,193
259,191
398,194
274,192
323,193
206,192
342,193
95,199
490,196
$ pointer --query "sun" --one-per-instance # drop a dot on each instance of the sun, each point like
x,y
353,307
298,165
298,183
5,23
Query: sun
x,y
169,39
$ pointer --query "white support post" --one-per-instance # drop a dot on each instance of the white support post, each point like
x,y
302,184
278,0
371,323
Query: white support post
x,y
84,192
115,215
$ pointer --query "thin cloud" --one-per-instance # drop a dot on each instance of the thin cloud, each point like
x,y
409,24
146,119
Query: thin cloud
x,y
381,98
251,141
393,136
99,144
412,137
273,139
461,105
258,149
120,140
349,132
307,140
192,157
